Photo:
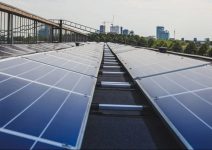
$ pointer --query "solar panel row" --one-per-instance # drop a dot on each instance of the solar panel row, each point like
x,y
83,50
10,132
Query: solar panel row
x,y
45,98
23,49
179,88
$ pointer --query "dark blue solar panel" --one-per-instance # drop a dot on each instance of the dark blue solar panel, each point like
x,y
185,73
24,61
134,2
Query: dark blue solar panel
x,y
66,126
3,77
21,68
38,110
14,104
44,105
8,142
33,120
180,89
174,83
10,86
192,128
81,88
13,62
77,66
52,77
185,102
43,146
206,94
69,81
36,73
199,106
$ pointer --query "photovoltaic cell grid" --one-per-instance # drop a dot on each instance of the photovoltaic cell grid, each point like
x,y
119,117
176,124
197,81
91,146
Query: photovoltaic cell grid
x,y
180,89
44,104
23,49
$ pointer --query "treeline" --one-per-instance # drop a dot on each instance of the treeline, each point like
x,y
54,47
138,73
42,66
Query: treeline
x,y
188,47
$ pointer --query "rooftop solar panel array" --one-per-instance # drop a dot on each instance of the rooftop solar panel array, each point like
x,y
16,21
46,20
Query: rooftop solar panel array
x,y
23,49
45,98
179,88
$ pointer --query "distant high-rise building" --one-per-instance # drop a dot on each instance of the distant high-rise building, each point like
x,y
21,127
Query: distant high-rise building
x,y
115,29
102,29
121,30
161,33
207,39
125,32
131,32
44,31
182,39
195,39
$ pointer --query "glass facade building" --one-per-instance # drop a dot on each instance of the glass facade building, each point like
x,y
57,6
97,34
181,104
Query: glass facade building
x,y
161,33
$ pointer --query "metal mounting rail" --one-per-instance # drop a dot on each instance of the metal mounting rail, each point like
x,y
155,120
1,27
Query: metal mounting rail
x,y
112,60
116,107
112,73
111,63
106,84
108,55
112,67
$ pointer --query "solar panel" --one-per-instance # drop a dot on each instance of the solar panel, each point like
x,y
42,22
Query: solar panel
x,y
23,49
144,63
86,62
43,105
178,82
179,89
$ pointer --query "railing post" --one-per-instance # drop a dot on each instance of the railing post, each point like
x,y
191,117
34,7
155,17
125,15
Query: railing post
x,y
51,34
75,37
10,29
61,31
35,31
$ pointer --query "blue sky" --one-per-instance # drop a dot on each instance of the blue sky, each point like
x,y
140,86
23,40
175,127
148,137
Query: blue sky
x,y
190,18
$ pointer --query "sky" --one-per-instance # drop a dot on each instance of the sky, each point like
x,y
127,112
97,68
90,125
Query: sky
x,y
189,18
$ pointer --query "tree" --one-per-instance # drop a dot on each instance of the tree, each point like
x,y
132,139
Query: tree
x,y
151,42
161,44
210,53
142,42
203,49
131,40
191,48
176,47
170,45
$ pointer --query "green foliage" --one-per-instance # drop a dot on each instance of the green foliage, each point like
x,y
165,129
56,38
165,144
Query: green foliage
x,y
176,47
142,42
150,42
160,43
210,53
203,49
173,45
191,48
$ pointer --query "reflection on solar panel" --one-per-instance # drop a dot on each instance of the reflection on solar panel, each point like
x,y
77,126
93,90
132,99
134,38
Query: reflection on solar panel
x,y
180,90
45,98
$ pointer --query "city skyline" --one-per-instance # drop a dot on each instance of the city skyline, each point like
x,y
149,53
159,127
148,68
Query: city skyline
x,y
190,19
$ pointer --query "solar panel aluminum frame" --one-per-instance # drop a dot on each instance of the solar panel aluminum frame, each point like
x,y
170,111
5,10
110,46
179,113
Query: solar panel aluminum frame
x,y
85,119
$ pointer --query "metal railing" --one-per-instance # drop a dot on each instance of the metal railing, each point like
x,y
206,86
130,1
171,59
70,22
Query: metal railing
x,y
18,26
76,26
